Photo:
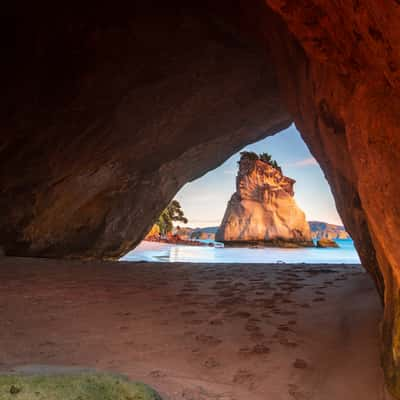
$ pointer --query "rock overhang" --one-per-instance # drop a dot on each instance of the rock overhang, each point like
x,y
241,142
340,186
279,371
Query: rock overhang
x,y
105,109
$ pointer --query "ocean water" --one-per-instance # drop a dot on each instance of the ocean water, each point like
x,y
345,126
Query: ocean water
x,y
161,252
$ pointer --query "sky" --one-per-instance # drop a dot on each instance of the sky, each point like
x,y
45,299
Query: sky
x,y
204,200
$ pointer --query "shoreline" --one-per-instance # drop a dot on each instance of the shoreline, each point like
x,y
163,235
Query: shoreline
x,y
276,243
166,252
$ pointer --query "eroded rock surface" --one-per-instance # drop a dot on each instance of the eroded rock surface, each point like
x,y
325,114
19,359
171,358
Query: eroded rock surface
x,y
107,111
114,111
343,91
263,209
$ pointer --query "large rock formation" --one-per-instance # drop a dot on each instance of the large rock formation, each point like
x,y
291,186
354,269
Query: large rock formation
x,y
107,111
263,209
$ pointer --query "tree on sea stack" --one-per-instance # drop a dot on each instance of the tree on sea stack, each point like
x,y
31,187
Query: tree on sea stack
x,y
263,210
266,157
249,155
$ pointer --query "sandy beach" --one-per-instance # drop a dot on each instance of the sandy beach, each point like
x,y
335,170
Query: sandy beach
x,y
198,331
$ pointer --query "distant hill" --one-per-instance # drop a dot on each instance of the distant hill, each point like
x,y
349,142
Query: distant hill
x,y
187,233
319,230
207,233
323,230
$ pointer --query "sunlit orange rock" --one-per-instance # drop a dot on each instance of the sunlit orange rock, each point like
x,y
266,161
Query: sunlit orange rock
x,y
263,209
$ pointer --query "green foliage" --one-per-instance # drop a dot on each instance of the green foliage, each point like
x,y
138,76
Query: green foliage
x,y
265,157
276,165
249,155
83,386
172,213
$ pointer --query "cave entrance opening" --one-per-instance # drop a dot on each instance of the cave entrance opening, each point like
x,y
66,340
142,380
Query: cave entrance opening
x,y
210,217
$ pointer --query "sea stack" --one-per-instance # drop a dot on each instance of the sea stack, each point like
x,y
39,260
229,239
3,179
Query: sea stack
x,y
263,211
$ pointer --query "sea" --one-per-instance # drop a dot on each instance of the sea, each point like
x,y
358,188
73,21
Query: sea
x,y
162,252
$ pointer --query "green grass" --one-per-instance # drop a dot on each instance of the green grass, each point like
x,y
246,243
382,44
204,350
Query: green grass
x,y
84,386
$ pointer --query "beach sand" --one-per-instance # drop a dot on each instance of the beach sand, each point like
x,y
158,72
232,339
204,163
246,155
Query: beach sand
x,y
198,331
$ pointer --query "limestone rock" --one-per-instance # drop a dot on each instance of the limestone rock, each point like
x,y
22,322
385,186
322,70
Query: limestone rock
x,y
323,243
263,209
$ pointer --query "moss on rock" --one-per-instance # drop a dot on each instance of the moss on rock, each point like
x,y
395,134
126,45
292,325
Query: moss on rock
x,y
84,386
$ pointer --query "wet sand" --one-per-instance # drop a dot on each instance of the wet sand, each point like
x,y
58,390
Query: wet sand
x,y
198,331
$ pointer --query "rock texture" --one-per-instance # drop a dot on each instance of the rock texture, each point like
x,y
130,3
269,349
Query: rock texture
x,y
326,243
103,110
323,230
107,111
263,209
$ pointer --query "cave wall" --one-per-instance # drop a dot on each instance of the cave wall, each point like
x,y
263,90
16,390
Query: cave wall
x,y
343,91
107,112
110,111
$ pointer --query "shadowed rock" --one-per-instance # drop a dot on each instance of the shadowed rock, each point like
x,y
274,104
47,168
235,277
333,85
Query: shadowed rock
x,y
106,112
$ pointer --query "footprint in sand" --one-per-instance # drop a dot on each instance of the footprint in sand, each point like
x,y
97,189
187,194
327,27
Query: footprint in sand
x,y
300,363
266,315
260,349
208,340
216,322
251,327
211,363
243,377
283,328
242,314
188,313
245,350
317,299
157,374
294,392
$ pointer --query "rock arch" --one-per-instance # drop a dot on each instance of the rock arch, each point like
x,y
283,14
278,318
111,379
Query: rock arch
x,y
106,113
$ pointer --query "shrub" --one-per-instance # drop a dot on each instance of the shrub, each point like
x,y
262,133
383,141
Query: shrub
x,y
249,155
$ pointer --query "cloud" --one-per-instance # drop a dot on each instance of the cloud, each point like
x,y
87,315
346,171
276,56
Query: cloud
x,y
229,172
304,163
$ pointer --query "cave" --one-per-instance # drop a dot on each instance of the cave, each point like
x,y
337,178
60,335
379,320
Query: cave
x,y
107,112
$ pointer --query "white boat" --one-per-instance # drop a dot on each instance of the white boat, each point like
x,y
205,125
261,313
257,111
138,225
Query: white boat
x,y
219,245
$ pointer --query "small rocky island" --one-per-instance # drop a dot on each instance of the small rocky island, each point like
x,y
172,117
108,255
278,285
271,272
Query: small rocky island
x,y
263,211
